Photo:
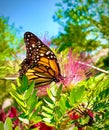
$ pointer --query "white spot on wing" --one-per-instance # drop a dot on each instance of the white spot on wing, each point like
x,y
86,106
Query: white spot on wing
x,y
48,52
38,42
41,54
33,45
51,56
27,39
39,46
37,56
28,35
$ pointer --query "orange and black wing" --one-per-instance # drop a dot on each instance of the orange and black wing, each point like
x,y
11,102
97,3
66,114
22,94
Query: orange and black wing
x,y
40,64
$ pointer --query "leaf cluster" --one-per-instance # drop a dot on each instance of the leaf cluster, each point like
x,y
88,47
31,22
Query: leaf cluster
x,y
54,108
9,46
84,24
7,125
25,95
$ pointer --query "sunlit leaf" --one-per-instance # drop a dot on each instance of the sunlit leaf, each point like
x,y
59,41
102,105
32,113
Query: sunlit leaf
x,y
31,99
47,109
29,91
1,125
47,115
49,103
26,121
24,83
8,124
47,120
62,103
17,128
50,95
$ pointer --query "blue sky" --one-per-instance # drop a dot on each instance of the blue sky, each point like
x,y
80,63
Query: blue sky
x,y
32,15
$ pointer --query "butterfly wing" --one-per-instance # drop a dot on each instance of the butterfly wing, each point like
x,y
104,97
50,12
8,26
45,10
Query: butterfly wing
x,y
40,64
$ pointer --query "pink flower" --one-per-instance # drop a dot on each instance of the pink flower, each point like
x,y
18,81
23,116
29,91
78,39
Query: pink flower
x,y
90,113
73,115
80,128
74,72
42,91
2,115
12,112
42,126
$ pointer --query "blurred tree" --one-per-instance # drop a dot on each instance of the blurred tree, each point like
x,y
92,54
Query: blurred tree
x,y
84,24
10,44
10,47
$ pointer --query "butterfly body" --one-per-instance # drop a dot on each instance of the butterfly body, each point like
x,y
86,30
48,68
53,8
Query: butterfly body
x,y
40,64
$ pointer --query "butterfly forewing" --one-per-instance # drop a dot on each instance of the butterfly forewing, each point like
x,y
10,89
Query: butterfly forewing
x,y
40,63
35,47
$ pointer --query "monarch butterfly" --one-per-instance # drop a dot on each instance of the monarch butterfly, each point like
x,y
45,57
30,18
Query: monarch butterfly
x,y
40,64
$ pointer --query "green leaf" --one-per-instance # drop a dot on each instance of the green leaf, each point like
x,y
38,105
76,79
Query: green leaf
x,y
24,83
34,114
76,94
35,117
75,128
25,120
68,104
32,99
18,98
13,86
49,103
89,128
48,110
62,103
8,124
53,88
17,95
71,97
28,92
1,126
17,128
18,82
51,95
58,114
47,115
39,103
33,104
59,90
47,120
80,92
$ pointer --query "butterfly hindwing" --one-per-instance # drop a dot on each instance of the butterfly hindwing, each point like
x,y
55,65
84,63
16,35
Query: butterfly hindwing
x,y
40,64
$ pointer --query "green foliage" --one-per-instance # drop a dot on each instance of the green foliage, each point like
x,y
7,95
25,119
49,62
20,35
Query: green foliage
x,y
7,125
76,95
89,100
10,46
98,99
83,24
103,62
56,108
25,96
